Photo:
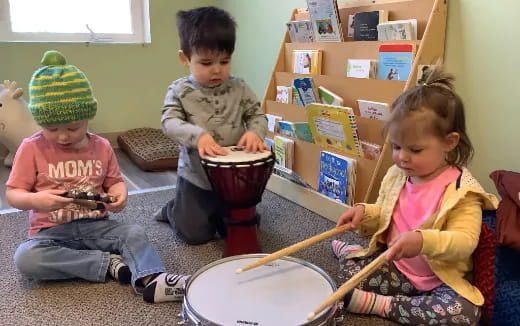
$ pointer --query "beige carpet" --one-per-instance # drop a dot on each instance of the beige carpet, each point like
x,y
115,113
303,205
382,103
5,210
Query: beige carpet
x,y
78,302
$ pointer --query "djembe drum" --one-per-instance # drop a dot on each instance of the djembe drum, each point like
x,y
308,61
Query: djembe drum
x,y
239,180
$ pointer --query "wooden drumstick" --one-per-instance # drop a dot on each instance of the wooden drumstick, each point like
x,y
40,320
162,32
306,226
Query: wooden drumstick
x,y
295,247
350,284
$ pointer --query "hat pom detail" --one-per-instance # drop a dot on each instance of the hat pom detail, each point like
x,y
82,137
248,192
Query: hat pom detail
x,y
53,58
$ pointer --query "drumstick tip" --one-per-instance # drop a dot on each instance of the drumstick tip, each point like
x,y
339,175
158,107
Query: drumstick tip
x,y
311,316
238,271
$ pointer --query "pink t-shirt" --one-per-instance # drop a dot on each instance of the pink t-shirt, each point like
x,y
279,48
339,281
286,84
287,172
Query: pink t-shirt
x,y
41,165
417,202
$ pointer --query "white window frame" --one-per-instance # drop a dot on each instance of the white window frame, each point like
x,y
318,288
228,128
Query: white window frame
x,y
140,28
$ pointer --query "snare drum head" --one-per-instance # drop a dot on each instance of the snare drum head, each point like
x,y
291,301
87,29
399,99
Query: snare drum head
x,y
238,155
283,292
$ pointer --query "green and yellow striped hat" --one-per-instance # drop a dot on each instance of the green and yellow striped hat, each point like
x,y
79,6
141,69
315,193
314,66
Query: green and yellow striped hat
x,y
60,93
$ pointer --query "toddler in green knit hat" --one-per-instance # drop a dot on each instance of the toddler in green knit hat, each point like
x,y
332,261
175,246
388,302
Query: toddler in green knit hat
x,y
67,240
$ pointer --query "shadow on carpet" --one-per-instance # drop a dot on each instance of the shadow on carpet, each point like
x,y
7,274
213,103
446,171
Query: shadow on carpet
x,y
79,302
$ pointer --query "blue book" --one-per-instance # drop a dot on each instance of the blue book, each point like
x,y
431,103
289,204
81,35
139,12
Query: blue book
x,y
303,131
333,177
395,61
285,128
305,89
270,143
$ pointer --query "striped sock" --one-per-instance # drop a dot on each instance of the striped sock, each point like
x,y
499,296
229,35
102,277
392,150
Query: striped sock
x,y
363,302
341,248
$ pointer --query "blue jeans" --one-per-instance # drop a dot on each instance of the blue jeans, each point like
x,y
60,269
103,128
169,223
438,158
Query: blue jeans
x,y
82,248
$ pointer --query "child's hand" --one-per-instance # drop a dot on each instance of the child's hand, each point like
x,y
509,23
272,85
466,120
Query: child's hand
x,y
49,200
353,216
252,142
120,193
407,245
207,146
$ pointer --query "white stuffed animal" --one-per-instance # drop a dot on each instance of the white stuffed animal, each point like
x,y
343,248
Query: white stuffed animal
x,y
16,121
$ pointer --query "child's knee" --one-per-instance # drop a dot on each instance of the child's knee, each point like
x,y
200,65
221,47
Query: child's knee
x,y
27,258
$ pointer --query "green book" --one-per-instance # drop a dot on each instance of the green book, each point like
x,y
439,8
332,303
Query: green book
x,y
303,131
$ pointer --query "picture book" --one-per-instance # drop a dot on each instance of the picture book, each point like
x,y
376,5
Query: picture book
x,y
325,20
270,143
365,24
272,122
283,94
284,151
373,110
371,151
305,90
286,128
328,97
397,30
395,61
361,68
336,177
334,127
300,31
291,175
350,26
295,97
307,61
303,132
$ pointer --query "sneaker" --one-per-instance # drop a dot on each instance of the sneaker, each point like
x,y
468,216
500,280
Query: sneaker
x,y
342,249
119,270
165,287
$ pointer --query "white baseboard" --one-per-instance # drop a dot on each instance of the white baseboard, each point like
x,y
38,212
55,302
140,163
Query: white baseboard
x,y
307,198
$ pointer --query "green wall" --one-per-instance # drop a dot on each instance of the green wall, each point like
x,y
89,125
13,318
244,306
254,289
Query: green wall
x,y
130,80
481,47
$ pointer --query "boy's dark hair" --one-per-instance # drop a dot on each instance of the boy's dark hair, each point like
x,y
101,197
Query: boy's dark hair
x,y
438,96
206,28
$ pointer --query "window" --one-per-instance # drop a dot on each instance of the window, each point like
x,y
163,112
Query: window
x,y
109,21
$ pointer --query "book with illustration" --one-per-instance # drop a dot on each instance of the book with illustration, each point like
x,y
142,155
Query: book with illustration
x,y
272,122
361,68
303,131
405,29
306,91
286,128
328,97
306,61
284,151
300,31
337,177
395,61
325,20
374,110
283,94
334,127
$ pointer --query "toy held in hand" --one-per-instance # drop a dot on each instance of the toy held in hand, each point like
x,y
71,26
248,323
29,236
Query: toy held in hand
x,y
90,199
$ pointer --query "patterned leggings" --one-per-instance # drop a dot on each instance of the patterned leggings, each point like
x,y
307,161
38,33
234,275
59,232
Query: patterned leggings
x,y
409,306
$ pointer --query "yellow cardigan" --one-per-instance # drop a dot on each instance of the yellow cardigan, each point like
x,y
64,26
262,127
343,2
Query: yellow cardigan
x,y
454,232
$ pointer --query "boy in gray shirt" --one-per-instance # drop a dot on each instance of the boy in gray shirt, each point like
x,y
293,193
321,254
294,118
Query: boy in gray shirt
x,y
204,112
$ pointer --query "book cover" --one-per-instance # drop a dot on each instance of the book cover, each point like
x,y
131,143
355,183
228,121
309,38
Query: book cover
x,y
371,151
303,132
328,97
325,20
365,24
270,143
334,127
307,62
300,31
283,151
295,97
373,110
361,68
283,94
286,128
272,122
395,61
305,90
350,26
333,178
397,30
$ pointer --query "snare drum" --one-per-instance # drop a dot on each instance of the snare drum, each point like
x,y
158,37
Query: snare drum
x,y
239,179
282,292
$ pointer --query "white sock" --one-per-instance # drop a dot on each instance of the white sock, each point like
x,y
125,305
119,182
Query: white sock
x,y
165,287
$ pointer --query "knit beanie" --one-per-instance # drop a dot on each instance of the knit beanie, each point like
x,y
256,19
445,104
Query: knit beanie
x,y
60,93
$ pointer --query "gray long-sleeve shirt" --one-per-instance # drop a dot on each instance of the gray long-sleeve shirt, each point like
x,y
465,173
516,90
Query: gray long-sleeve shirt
x,y
225,112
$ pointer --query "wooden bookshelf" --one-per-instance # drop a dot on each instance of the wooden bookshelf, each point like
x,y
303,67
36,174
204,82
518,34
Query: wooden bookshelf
x,y
431,30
